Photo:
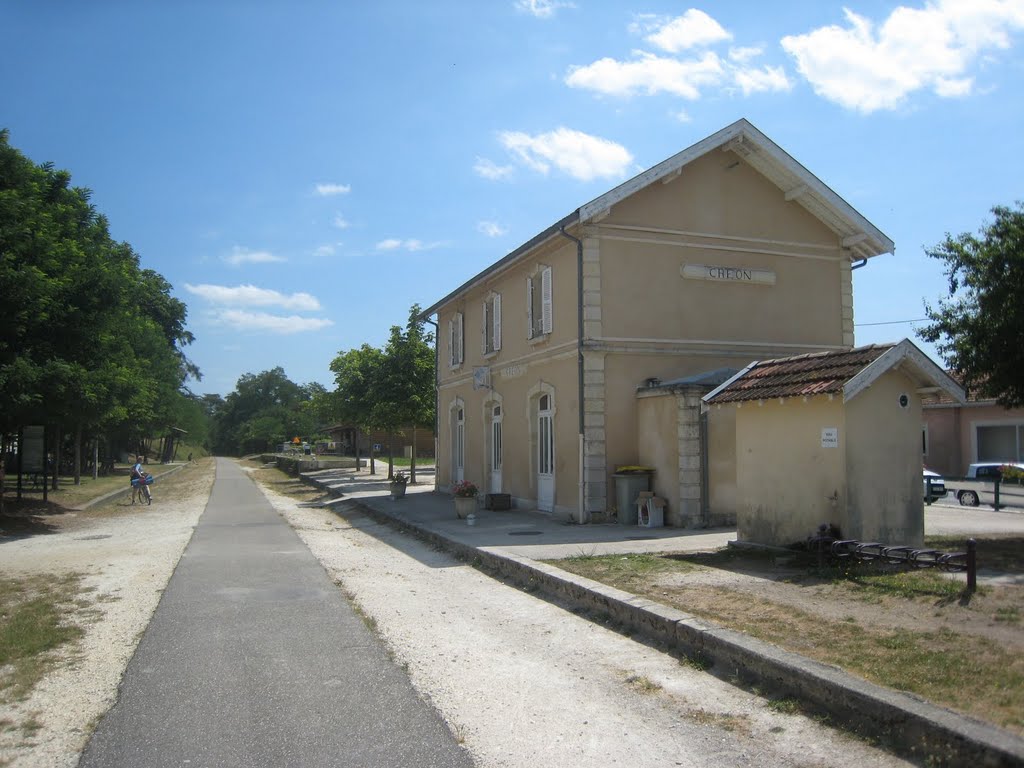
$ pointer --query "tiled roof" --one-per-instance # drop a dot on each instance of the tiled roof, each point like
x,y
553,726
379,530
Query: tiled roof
x,y
819,373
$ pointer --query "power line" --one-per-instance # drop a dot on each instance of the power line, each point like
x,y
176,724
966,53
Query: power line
x,y
892,322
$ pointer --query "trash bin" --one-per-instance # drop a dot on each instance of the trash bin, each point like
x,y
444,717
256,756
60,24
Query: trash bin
x,y
628,486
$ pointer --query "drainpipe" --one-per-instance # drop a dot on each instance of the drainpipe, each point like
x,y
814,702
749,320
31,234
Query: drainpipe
x,y
437,402
579,365
858,264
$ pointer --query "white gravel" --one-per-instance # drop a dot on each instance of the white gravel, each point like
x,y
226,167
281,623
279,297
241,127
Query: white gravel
x,y
126,562
525,683
520,681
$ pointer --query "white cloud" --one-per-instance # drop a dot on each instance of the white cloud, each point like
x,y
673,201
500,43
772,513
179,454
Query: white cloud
x,y
251,296
412,245
262,321
691,30
743,54
340,222
491,170
491,229
868,68
765,79
650,74
329,190
580,155
682,116
324,250
241,255
542,9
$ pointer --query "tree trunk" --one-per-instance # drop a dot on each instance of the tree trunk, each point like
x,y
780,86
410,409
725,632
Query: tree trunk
x,y
412,462
78,454
391,455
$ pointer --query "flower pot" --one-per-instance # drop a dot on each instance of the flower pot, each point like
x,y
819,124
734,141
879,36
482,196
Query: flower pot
x,y
464,505
397,490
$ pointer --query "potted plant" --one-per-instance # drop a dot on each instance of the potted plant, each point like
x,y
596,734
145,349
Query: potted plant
x,y
465,494
398,483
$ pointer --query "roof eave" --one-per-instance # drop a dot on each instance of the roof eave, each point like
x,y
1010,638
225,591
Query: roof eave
x,y
905,351
553,231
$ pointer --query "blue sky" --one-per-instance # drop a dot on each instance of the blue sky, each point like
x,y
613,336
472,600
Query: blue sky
x,y
303,172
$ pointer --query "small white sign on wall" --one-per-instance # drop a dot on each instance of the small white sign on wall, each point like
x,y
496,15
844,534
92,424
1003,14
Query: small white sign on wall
x,y
830,437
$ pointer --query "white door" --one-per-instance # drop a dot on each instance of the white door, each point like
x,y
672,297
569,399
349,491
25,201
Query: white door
x,y
459,446
495,449
545,455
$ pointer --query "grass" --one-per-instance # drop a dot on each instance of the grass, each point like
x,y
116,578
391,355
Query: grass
x,y
937,664
37,618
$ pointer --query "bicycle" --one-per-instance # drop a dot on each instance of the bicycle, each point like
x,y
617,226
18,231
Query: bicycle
x,y
141,490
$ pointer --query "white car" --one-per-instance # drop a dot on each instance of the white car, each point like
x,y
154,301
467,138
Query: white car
x,y
937,483
981,473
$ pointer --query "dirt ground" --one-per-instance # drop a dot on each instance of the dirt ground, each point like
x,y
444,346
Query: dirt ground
x,y
762,579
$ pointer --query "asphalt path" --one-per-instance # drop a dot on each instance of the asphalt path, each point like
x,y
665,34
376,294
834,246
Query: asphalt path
x,y
254,658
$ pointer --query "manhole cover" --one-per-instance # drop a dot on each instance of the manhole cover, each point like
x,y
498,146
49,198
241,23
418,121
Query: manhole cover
x,y
641,538
525,533
94,538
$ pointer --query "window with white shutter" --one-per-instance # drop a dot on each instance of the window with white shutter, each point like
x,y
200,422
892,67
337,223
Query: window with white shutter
x,y
539,303
492,324
455,347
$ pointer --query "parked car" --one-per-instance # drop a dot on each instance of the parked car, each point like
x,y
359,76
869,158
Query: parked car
x,y
938,485
982,472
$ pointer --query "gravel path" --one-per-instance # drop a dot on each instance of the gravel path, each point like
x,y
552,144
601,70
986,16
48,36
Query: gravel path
x,y
520,681
525,683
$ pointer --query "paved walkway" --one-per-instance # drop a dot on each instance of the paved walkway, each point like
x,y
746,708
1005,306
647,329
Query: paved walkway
x,y
253,658
539,536
524,532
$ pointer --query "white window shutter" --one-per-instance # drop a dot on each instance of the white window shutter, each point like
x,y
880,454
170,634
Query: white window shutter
x,y
545,297
483,329
459,349
451,343
496,311
529,307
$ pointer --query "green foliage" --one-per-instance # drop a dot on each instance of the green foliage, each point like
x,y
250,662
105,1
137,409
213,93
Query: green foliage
x,y
264,410
89,338
978,329
387,389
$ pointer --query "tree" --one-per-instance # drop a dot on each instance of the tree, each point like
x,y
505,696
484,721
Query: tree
x,y
407,379
390,389
357,388
265,409
978,329
90,340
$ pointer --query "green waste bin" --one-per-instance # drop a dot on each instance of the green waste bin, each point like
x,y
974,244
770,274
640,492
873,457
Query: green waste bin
x,y
628,486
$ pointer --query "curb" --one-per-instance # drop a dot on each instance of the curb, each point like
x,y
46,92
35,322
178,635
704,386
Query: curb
x,y
906,723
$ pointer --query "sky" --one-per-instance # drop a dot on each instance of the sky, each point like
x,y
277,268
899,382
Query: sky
x,y
303,172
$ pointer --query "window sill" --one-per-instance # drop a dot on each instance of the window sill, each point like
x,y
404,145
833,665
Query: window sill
x,y
543,338
491,355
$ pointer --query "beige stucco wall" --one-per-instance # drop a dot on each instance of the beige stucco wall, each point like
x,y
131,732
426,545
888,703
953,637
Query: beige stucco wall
x,y
518,372
787,484
725,216
722,491
658,447
885,497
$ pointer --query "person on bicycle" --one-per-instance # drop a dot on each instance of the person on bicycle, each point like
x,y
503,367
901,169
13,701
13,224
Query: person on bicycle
x,y
139,475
